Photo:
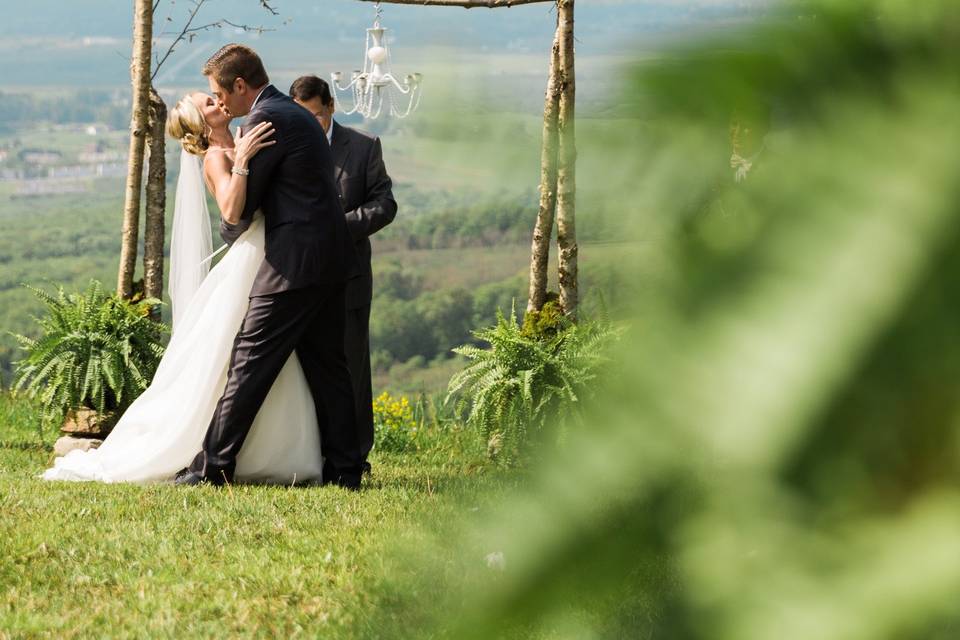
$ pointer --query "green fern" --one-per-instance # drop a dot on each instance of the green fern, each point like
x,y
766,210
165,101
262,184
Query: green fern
x,y
530,378
94,350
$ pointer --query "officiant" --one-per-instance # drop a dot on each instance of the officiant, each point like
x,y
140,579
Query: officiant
x,y
366,193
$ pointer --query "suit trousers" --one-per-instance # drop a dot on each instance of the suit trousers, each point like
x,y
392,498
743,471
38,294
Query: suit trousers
x,y
357,347
309,321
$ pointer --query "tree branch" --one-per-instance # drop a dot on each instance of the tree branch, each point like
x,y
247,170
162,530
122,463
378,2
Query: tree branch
x,y
183,34
187,33
245,27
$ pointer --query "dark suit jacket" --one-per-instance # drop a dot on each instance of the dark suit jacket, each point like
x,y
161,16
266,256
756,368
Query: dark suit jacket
x,y
307,242
366,193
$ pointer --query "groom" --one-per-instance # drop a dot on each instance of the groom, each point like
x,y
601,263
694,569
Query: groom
x,y
297,300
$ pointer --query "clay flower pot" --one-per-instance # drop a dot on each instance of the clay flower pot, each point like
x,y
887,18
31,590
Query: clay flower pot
x,y
87,423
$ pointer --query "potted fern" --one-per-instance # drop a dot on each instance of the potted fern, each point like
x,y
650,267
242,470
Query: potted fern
x,y
94,354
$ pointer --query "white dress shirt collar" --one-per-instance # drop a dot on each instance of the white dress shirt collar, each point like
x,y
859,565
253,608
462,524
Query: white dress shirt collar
x,y
257,99
330,132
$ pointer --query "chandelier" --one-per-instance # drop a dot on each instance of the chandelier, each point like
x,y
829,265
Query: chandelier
x,y
375,85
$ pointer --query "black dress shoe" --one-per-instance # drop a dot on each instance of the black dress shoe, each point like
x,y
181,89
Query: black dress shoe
x,y
347,482
187,477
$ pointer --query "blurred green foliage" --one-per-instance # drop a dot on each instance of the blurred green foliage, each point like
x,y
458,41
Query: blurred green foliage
x,y
780,457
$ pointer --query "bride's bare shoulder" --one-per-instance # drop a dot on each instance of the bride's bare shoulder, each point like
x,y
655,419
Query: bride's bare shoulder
x,y
216,167
217,158
217,161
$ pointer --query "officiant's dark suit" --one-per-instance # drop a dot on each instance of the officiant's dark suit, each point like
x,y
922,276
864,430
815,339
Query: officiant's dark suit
x,y
298,297
366,193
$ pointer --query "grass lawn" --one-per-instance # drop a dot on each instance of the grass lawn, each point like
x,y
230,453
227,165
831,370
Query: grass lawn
x,y
94,560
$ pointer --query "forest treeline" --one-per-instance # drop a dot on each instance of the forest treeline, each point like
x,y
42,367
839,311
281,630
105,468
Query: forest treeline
x,y
443,269
80,107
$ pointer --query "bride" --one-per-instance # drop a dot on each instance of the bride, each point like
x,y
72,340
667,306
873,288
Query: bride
x,y
161,432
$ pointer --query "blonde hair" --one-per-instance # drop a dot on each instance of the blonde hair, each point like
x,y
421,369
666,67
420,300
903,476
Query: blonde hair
x,y
186,124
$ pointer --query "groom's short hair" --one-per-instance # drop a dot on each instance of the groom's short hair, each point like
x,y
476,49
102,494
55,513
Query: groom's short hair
x,y
236,61
309,87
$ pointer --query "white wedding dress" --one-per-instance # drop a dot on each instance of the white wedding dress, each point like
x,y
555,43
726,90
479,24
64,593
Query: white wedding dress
x,y
162,431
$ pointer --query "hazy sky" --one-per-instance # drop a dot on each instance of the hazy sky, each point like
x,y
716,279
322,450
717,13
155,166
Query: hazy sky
x,y
78,43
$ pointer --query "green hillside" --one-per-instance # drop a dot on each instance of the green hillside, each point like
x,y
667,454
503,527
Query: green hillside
x,y
457,252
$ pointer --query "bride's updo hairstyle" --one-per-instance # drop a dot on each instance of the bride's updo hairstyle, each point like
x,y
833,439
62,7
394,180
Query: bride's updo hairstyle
x,y
186,124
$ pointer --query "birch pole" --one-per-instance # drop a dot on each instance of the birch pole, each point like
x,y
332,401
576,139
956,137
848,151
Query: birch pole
x,y
567,166
140,81
156,195
543,230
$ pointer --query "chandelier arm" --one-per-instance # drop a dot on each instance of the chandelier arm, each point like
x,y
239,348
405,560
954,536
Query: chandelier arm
x,y
346,112
412,104
338,102
393,81
419,95
339,87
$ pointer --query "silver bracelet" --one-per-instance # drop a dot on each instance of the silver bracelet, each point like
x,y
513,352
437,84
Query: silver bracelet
x,y
240,172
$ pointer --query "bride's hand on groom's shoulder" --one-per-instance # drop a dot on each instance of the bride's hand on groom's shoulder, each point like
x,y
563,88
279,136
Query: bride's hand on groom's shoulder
x,y
248,144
